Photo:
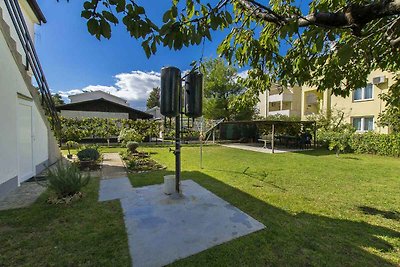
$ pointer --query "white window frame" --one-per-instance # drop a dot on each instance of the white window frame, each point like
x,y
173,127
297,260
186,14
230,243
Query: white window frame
x,y
363,94
363,123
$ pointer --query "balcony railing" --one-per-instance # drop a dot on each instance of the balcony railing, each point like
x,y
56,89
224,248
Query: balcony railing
x,y
284,97
33,62
286,112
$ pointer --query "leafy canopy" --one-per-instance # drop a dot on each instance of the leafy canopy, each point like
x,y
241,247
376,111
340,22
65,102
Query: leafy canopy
x,y
331,44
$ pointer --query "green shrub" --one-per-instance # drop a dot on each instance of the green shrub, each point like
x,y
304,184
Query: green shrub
x,y
338,139
88,154
66,180
128,135
375,143
132,146
71,144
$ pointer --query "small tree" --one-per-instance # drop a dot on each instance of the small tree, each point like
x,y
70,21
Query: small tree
x,y
154,98
333,131
390,117
223,94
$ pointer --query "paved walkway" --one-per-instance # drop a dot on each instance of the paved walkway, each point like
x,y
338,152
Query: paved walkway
x,y
22,196
112,166
26,194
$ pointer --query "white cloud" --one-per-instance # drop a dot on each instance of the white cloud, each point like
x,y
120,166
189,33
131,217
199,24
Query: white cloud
x,y
243,74
134,87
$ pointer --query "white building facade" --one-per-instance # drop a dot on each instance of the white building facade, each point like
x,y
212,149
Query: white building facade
x,y
27,142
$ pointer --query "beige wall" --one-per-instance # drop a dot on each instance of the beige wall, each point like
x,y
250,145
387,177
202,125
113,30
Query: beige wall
x,y
262,104
366,108
274,101
307,100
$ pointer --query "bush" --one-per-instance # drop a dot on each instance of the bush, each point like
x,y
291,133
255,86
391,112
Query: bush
x,y
66,180
338,139
132,146
128,135
375,143
88,154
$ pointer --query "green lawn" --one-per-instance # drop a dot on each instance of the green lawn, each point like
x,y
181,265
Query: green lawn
x,y
317,209
86,233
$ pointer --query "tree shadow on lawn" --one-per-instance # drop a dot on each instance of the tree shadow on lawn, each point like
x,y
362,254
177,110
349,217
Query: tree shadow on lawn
x,y
302,239
392,215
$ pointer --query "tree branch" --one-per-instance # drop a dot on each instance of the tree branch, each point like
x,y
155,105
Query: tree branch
x,y
352,16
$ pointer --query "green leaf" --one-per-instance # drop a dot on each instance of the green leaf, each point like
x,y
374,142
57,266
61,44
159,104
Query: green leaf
x,y
167,16
105,29
146,48
153,47
110,17
86,14
228,17
121,6
88,5
140,10
93,26
174,11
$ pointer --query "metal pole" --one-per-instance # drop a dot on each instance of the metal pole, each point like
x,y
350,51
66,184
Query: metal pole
x,y
177,153
178,145
201,143
273,138
213,133
315,135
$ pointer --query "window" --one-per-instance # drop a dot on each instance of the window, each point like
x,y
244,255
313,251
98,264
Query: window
x,y
357,123
368,124
363,93
363,124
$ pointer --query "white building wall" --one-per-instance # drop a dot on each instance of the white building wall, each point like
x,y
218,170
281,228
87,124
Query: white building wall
x,y
12,83
30,20
8,113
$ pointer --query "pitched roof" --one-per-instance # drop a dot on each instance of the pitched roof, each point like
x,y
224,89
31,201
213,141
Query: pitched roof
x,y
37,11
79,105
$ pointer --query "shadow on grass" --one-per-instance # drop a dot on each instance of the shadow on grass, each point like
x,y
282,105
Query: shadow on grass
x,y
302,239
316,152
392,215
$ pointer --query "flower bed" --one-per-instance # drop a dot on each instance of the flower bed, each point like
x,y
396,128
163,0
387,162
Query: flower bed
x,y
140,162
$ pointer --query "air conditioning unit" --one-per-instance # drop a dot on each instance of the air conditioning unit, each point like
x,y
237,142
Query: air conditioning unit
x,y
379,80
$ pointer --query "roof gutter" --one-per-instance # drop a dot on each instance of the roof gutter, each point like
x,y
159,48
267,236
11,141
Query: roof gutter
x,y
37,11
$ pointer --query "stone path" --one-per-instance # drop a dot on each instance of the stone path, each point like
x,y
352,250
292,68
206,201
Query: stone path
x,y
162,229
112,166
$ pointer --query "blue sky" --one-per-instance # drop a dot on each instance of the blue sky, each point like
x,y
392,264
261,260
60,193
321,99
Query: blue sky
x,y
74,60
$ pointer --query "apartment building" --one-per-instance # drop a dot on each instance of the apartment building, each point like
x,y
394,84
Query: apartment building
x,y
361,108
280,100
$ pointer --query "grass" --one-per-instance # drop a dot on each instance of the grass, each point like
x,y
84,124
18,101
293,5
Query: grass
x,y
86,233
317,209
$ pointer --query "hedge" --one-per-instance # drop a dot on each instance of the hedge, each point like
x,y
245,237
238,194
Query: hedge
x,y
375,143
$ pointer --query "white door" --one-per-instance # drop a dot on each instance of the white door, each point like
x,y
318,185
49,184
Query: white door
x,y
25,141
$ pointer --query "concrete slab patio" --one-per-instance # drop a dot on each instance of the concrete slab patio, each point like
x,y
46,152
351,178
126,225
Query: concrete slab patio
x,y
23,196
259,148
162,229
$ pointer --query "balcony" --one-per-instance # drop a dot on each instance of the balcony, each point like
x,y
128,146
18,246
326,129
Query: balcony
x,y
286,112
284,97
